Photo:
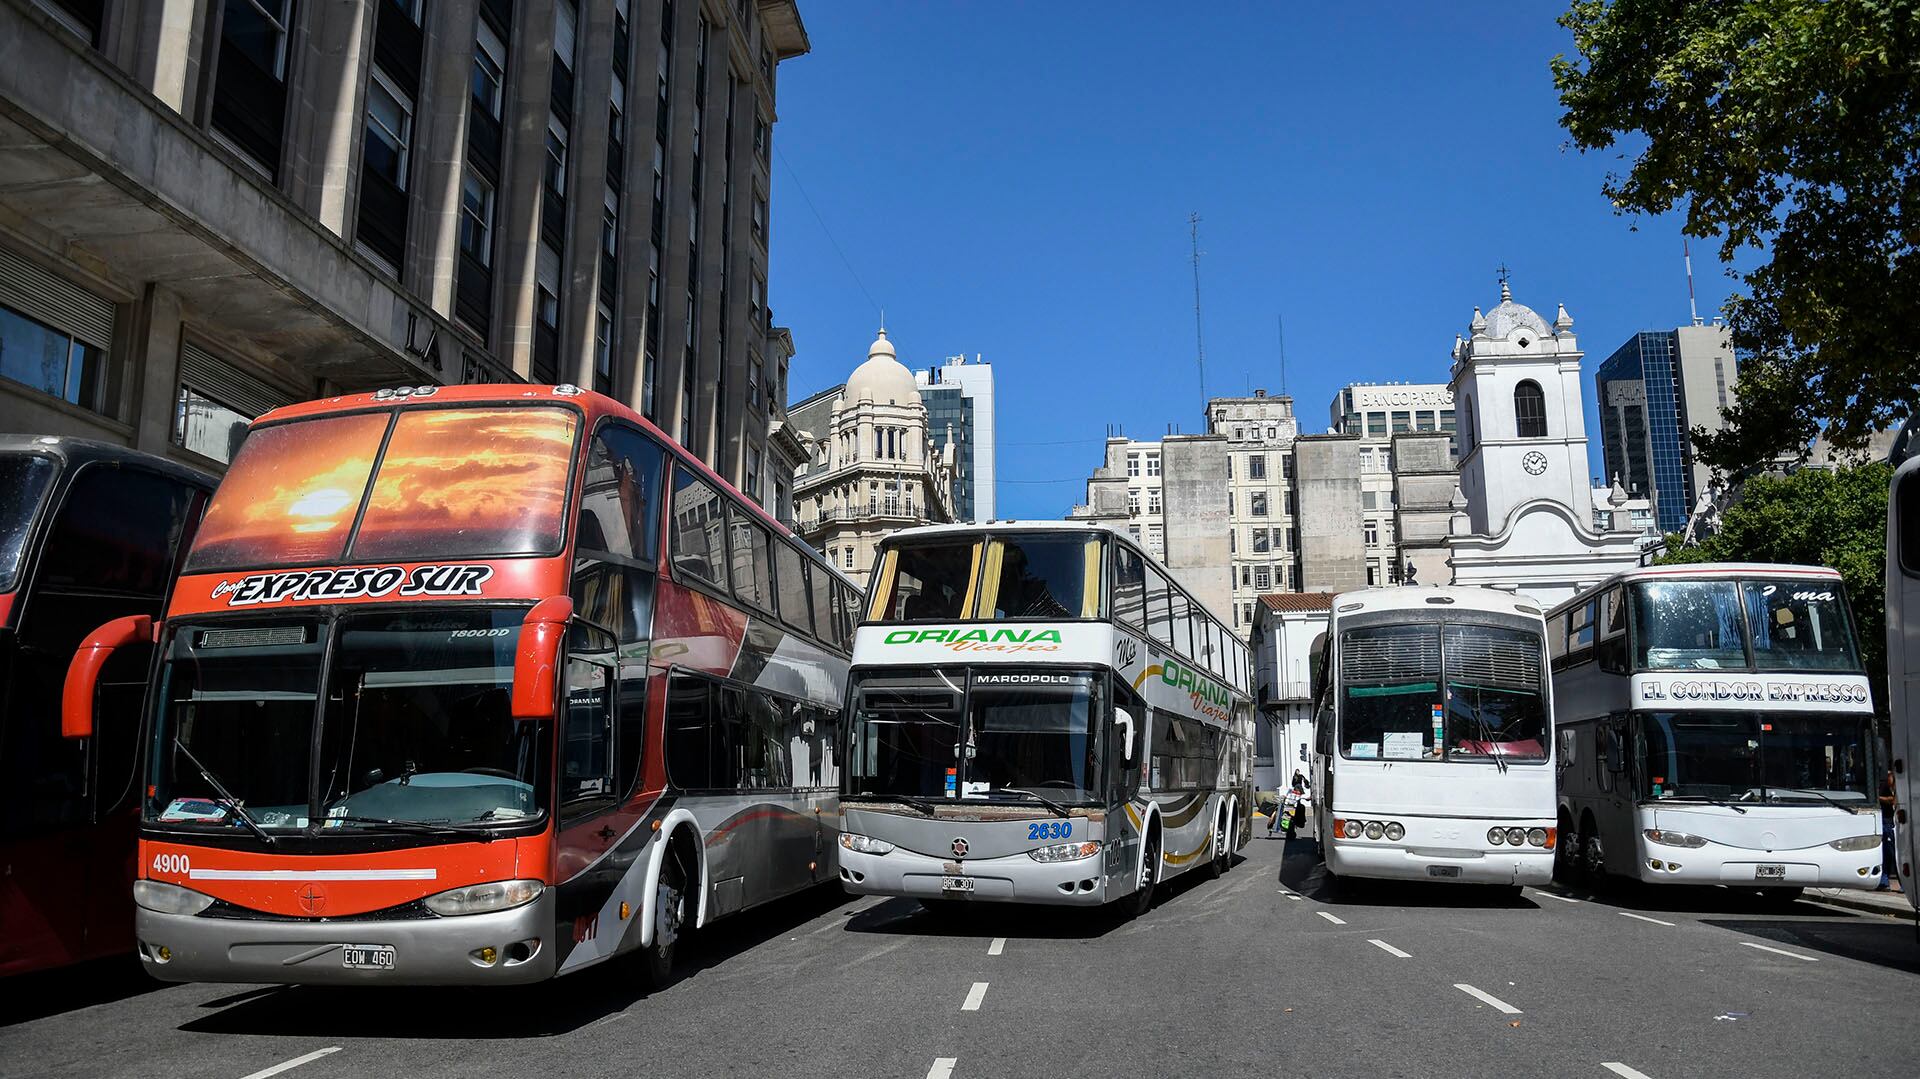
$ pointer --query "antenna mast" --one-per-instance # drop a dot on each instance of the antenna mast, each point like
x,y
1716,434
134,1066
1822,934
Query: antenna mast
x,y
1199,339
1280,324
1692,308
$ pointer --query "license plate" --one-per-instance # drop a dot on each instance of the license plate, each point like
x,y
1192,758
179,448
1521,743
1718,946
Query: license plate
x,y
372,956
1769,872
956,884
1443,871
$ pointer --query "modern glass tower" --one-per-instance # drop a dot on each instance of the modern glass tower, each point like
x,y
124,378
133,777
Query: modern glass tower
x,y
1652,391
959,400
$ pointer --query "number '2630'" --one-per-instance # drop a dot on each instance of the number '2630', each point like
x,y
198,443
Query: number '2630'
x,y
1050,829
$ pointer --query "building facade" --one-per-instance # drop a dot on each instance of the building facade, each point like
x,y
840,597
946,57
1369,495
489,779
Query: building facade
x,y
959,399
1260,431
871,468
1377,414
1653,391
1171,496
1288,633
208,210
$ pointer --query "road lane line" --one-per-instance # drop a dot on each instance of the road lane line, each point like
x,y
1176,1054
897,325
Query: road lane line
x,y
999,945
1643,918
1331,918
1288,894
974,997
1623,1071
1780,951
1389,949
1486,998
1555,895
294,1063
943,1068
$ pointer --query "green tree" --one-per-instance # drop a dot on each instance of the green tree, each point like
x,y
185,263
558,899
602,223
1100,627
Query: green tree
x,y
1788,127
1819,518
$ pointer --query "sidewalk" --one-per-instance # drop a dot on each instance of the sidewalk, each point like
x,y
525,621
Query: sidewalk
x,y
1893,904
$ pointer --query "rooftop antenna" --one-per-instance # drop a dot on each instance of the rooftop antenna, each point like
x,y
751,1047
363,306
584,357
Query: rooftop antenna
x,y
1280,324
1693,309
1199,339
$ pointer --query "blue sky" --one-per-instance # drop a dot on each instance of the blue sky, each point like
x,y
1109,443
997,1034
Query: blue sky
x,y
1014,180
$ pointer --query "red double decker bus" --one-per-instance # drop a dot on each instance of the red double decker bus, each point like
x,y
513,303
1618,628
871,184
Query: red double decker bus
x,y
476,685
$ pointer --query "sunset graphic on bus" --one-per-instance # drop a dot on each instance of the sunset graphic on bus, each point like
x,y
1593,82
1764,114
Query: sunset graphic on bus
x,y
452,483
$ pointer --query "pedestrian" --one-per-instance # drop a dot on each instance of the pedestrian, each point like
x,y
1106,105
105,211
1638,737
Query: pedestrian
x,y
1293,806
1886,833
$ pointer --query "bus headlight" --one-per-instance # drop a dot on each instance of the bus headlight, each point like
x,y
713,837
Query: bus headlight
x,y
1496,836
864,844
485,898
1668,837
1354,828
1537,837
163,898
1396,831
1375,830
1516,837
1856,842
1065,852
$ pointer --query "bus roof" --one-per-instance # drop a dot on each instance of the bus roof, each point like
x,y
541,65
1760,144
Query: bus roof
x,y
1001,526
80,451
1413,597
1702,571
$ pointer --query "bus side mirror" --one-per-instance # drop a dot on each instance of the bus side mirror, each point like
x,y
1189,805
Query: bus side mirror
x,y
1124,720
536,660
83,671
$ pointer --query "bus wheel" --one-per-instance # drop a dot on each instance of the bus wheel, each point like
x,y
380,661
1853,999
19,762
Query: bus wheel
x,y
1593,856
1566,852
1142,898
1221,845
669,920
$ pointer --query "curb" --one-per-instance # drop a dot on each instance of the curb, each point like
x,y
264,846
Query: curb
x,y
1853,901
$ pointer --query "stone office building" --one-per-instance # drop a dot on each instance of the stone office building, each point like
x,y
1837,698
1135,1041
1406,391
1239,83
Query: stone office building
x,y
209,209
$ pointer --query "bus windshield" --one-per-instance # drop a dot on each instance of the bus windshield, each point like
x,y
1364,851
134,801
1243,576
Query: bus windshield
x,y
1753,757
415,726
1420,692
450,483
1742,625
991,737
1023,575
24,479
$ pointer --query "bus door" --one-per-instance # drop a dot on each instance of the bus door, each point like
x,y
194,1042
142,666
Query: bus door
x,y
1127,731
586,796
1903,672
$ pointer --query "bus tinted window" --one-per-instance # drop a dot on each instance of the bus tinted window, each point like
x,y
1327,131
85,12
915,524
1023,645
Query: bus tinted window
x,y
291,494
1687,624
752,569
1159,622
1495,703
116,531
792,583
927,582
619,494
1042,577
1392,702
23,483
1033,730
1799,624
850,607
468,483
1129,587
824,624
699,543
1182,612
1755,757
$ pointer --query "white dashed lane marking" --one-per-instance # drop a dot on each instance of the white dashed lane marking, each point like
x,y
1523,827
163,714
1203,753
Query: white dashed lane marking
x,y
974,997
1623,1071
1331,918
289,1065
1288,894
1389,949
1780,951
1556,895
1643,918
999,945
1487,998
943,1067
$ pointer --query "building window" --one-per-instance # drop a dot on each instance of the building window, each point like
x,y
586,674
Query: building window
x,y
1240,434
1529,410
1153,502
1257,504
1370,532
389,128
603,349
206,426
1133,503
610,225
755,373
476,218
753,472
1134,531
1373,575
1153,464
1133,464
52,361
1257,466
556,169
1376,424
1261,540
1262,578
489,70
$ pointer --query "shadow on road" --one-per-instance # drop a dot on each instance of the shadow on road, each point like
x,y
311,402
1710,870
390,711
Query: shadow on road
x,y
103,981
1880,941
1302,871
1688,899
532,1011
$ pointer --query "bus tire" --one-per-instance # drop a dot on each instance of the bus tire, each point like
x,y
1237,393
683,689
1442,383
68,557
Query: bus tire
x,y
670,919
1217,864
1141,899
1566,868
1593,855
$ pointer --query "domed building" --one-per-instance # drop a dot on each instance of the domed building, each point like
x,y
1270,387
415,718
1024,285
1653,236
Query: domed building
x,y
872,471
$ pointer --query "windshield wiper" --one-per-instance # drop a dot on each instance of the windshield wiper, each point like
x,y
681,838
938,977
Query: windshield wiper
x,y
924,805
1827,798
1058,809
239,811
1709,801
416,827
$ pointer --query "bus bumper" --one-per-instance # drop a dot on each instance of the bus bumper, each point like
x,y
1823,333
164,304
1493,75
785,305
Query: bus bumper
x,y
1385,860
1715,863
1014,878
426,951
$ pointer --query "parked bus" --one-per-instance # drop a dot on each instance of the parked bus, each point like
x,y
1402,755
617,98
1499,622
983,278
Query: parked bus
x,y
1433,738
88,532
1039,714
1715,728
1903,671
477,685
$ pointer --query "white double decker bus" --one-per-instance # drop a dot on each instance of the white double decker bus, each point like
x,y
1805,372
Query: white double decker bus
x,y
1040,714
1433,749
1903,672
1715,728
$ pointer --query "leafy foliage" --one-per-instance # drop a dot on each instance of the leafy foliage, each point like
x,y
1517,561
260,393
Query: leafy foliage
x,y
1787,126
1814,517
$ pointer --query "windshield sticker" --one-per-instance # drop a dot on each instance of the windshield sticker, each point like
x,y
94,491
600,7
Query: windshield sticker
x,y
980,640
1025,679
1364,750
369,582
1403,745
202,810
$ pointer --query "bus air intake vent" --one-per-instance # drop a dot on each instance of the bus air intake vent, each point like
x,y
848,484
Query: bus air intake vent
x,y
1500,662
1368,659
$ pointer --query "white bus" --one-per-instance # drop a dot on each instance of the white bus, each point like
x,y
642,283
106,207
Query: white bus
x,y
1903,670
1040,714
1433,755
1715,728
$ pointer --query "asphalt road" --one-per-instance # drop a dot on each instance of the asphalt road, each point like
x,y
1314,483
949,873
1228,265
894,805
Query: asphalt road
x,y
1263,972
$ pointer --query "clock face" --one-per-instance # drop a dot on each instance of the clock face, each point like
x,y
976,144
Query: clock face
x,y
1534,462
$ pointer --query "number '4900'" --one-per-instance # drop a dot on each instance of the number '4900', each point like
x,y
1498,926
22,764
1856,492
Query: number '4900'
x,y
1050,829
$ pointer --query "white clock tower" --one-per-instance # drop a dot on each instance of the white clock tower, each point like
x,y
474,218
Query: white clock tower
x,y
1523,516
